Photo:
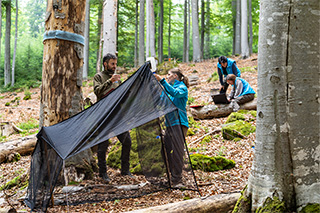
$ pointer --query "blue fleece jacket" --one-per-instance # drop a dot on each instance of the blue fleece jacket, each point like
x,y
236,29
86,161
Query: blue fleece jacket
x,y
178,93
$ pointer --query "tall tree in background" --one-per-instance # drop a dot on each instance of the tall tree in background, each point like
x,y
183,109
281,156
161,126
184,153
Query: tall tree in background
x,y
100,33
169,30
160,32
286,164
141,33
189,31
237,47
207,32
15,46
244,29
86,39
202,29
250,26
136,43
7,44
110,26
195,32
185,30
0,26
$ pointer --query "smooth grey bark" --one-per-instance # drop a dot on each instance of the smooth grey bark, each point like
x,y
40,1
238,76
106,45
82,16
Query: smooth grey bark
x,y
147,28
160,33
244,30
100,26
202,29
141,33
237,48
287,149
195,32
250,26
86,42
0,26
7,45
207,32
110,26
15,46
185,24
189,31
136,43
169,30
152,31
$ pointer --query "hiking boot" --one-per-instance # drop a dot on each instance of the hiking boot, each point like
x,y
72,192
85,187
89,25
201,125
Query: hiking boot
x,y
123,173
105,177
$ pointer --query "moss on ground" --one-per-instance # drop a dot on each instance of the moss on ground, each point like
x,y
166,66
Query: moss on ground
x,y
210,164
237,129
311,207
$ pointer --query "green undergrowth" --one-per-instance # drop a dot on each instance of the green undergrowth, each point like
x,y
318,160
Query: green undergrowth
x,y
210,164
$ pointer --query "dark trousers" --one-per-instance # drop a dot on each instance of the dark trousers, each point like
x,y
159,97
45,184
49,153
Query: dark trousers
x,y
225,88
244,98
174,147
125,140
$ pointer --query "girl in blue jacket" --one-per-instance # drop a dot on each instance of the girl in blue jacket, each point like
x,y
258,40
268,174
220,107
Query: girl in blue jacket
x,y
176,86
241,91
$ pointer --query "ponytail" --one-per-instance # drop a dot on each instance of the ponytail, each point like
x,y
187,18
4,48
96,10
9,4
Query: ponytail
x,y
181,77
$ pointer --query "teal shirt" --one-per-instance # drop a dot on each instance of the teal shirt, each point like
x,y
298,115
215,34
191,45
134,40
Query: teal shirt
x,y
178,93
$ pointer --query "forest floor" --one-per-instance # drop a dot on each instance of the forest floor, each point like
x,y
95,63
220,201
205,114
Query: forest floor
x,y
210,183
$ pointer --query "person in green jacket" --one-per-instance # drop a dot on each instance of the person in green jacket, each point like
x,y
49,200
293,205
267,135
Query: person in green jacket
x,y
104,83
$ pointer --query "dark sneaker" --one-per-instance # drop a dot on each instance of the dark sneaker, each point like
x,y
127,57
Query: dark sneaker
x,y
105,177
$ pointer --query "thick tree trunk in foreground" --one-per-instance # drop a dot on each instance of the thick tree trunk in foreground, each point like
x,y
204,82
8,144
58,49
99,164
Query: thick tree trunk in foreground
x,y
216,203
23,146
220,110
286,163
61,95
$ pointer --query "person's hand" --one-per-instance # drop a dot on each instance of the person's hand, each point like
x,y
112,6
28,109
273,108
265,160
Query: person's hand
x,y
158,77
115,77
221,88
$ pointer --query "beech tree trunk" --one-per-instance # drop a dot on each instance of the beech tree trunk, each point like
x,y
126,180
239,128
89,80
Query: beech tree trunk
x,y
195,32
136,38
188,33
237,49
202,29
141,33
185,24
7,50
86,45
15,46
207,32
244,29
169,30
286,163
110,23
250,26
160,38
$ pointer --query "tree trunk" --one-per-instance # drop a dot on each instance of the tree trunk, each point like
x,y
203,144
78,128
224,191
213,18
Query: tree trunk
x,y
23,146
15,47
61,95
0,27
185,24
136,44
244,29
202,29
110,27
100,43
160,40
7,51
286,163
195,32
237,49
220,110
169,30
216,203
207,32
141,33
189,31
250,26
86,39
